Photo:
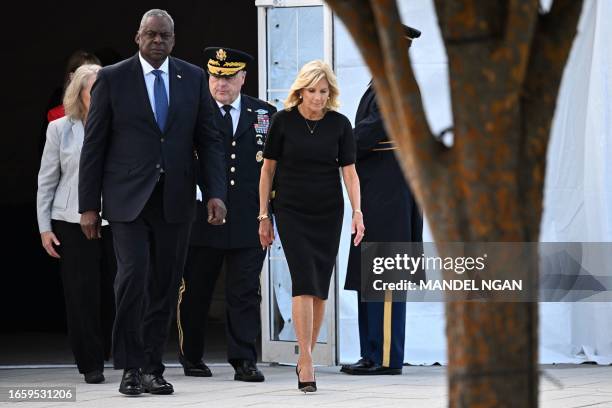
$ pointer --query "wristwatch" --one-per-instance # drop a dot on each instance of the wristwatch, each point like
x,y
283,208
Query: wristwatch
x,y
262,217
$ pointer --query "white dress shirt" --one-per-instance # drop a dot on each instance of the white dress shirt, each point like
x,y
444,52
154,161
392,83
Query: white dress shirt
x,y
149,78
235,112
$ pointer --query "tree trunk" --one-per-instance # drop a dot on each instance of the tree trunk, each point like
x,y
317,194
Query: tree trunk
x,y
505,60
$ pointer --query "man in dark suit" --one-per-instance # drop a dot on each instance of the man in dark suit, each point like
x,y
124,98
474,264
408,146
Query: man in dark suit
x,y
147,114
391,215
243,122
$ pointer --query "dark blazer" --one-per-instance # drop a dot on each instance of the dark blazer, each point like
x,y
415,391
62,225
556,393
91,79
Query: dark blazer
x,y
124,148
390,212
241,229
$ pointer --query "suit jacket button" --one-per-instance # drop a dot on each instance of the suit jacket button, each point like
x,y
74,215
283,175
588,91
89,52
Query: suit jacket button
x,y
232,169
232,182
234,143
233,156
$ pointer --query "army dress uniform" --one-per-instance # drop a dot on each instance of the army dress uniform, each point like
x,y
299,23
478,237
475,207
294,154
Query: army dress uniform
x,y
236,243
391,215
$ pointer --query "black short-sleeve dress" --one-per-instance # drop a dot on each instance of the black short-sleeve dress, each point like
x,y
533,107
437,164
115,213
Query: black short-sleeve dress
x,y
308,203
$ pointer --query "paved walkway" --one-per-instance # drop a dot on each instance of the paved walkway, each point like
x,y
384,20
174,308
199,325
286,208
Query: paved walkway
x,y
572,386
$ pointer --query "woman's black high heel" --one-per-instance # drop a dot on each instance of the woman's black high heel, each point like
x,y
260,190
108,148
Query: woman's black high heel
x,y
306,386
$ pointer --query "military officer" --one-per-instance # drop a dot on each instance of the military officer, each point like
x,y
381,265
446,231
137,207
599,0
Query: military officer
x,y
243,122
392,215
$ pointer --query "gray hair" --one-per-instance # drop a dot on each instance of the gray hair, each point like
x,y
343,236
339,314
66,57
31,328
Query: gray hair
x,y
156,13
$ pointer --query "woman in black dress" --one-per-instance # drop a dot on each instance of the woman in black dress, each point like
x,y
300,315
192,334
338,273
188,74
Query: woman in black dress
x,y
307,143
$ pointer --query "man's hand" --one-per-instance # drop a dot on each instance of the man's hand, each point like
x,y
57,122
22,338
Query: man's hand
x,y
91,224
216,211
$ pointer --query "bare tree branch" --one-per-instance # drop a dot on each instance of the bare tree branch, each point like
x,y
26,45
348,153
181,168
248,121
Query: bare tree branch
x,y
549,53
520,27
399,96
386,53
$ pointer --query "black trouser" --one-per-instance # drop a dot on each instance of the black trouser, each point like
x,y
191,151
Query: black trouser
x,y
382,331
86,267
242,296
150,259
107,299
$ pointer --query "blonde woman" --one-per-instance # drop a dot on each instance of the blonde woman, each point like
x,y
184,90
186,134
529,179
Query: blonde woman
x,y
82,262
307,143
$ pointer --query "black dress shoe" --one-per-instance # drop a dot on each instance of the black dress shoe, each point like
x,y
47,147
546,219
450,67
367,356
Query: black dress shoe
x,y
361,364
198,369
155,384
248,371
376,369
94,377
131,382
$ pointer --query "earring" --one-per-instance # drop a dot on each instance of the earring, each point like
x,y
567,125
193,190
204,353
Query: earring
x,y
300,96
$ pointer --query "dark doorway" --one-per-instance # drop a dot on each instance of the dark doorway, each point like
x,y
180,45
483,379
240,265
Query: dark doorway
x,y
40,37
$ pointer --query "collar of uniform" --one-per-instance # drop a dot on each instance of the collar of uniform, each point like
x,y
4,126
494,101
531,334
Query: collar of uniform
x,y
235,104
147,68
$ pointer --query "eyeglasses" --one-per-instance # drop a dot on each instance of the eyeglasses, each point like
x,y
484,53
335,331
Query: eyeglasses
x,y
151,35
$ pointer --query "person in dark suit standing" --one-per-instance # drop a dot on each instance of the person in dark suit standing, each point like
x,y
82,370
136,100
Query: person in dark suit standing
x,y
243,121
147,115
392,215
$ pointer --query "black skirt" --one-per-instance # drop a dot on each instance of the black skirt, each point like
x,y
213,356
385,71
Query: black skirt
x,y
310,240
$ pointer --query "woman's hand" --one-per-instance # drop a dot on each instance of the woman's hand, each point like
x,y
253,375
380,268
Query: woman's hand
x,y
49,239
351,181
357,227
266,233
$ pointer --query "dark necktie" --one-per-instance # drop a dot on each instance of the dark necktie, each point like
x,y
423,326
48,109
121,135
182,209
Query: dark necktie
x,y
227,118
161,99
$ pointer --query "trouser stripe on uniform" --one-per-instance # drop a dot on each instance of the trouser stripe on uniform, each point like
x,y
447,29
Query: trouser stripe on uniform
x,y
178,315
388,307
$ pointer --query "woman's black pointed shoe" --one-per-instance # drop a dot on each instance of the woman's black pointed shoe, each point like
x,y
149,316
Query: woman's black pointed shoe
x,y
306,386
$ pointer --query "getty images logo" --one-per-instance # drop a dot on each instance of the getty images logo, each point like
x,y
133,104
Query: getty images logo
x,y
411,264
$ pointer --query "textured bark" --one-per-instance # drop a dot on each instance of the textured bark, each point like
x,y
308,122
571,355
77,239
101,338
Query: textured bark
x,y
505,61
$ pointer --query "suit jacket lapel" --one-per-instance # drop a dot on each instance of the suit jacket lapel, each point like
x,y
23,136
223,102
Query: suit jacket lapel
x,y
371,95
220,121
364,103
78,131
176,84
141,90
247,118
